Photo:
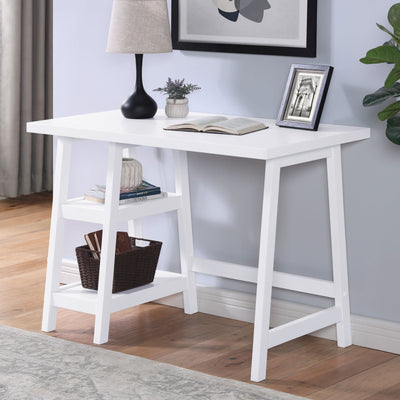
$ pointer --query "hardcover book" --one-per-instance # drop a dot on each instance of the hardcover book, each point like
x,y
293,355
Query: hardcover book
x,y
219,124
145,191
98,197
93,240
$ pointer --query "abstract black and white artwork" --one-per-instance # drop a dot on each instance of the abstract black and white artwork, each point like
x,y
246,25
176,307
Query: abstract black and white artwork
x,y
281,27
250,9
304,96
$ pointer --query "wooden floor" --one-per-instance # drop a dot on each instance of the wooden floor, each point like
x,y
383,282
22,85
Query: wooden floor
x,y
310,367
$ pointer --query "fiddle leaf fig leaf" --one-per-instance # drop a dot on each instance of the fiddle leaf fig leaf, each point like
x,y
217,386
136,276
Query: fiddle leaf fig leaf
x,y
394,18
390,111
393,76
381,54
393,129
394,37
391,42
388,53
381,95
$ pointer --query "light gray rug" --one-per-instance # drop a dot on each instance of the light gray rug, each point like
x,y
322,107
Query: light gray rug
x,y
36,366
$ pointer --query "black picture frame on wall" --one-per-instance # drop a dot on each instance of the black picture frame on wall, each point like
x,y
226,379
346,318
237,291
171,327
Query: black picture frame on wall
x,y
214,38
304,97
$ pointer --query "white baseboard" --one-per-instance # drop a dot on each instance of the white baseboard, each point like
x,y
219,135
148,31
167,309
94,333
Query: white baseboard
x,y
69,271
367,332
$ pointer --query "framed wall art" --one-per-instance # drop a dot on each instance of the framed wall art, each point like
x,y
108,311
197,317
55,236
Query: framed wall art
x,y
279,27
304,96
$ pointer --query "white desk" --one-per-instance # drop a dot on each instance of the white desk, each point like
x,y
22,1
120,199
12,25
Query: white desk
x,y
278,147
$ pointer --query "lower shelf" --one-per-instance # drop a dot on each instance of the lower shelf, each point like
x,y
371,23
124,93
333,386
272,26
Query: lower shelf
x,y
75,297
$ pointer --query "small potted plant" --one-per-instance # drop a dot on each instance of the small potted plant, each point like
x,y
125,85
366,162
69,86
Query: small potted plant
x,y
177,102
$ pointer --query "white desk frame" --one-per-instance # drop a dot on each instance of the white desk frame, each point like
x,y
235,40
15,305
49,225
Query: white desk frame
x,y
278,147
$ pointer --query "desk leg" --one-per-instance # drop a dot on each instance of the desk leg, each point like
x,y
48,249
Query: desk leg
x,y
265,271
185,231
106,275
60,193
338,240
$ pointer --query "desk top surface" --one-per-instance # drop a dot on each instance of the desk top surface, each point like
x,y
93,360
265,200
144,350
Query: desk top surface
x,y
111,126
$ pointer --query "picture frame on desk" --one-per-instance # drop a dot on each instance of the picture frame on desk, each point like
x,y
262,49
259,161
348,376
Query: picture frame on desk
x,y
304,97
257,27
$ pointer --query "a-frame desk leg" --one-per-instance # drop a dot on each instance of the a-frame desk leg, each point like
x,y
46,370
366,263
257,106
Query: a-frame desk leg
x,y
113,181
264,337
265,270
338,243
60,193
185,231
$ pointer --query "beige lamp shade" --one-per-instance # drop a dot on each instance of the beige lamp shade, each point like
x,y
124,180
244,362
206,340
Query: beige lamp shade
x,y
139,27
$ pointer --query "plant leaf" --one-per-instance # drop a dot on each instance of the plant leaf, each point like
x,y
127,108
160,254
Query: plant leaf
x,y
381,95
393,76
390,111
391,42
395,37
382,54
393,129
394,18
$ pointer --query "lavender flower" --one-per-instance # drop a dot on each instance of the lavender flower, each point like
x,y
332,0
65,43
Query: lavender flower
x,y
177,89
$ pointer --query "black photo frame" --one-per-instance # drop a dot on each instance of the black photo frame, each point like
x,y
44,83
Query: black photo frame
x,y
304,96
219,43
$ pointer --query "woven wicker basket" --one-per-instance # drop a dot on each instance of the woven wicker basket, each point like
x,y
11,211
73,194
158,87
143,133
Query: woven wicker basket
x,y
131,269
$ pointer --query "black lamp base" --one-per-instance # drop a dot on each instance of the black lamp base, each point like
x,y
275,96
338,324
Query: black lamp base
x,y
139,105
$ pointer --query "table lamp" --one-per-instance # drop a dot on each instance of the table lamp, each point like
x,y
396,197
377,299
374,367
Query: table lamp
x,y
139,27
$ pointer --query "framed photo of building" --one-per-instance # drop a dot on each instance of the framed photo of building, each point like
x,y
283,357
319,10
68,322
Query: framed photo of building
x,y
304,96
280,27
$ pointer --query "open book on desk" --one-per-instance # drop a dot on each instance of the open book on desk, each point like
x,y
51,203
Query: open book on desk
x,y
219,124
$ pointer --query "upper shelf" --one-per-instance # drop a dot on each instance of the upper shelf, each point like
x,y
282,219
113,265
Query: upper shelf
x,y
89,211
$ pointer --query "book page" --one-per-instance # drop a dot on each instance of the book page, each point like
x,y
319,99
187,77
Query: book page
x,y
236,125
198,123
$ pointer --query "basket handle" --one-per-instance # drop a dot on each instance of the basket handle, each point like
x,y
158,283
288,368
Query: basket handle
x,y
145,240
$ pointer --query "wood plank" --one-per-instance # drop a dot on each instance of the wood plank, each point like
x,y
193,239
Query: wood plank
x,y
331,371
298,354
11,208
361,386
34,216
176,332
209,349
391,393
232,365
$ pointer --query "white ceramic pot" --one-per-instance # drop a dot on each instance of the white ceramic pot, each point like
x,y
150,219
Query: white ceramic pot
x,y
178,108
131,173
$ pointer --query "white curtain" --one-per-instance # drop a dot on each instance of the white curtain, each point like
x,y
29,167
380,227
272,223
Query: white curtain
x,y
25,95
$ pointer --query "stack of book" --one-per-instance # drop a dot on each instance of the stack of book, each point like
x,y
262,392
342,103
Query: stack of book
x,y
146,191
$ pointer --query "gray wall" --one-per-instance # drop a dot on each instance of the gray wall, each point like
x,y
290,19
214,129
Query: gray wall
x,y
226,192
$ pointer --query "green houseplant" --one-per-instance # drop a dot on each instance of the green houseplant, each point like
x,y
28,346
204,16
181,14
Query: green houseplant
x,y
388,53
177,102
177,89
